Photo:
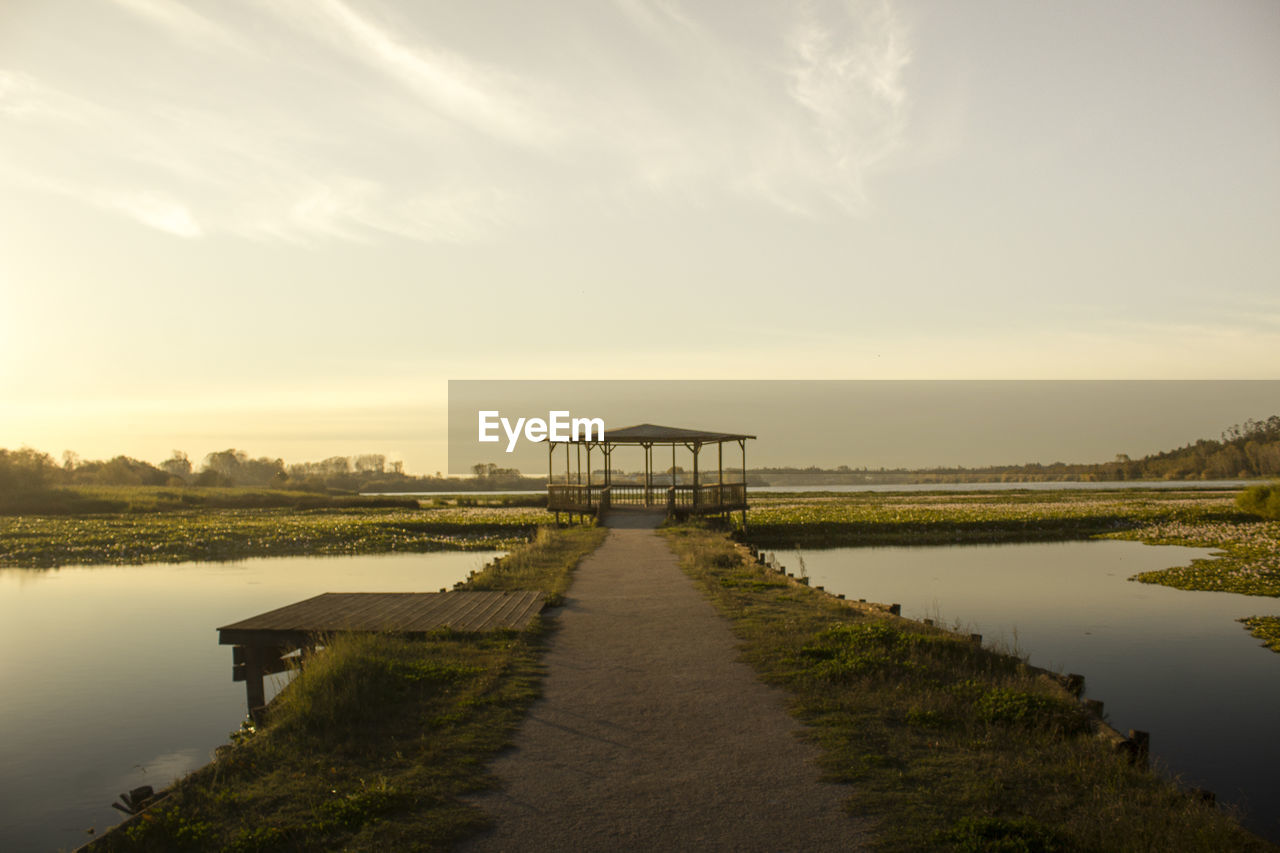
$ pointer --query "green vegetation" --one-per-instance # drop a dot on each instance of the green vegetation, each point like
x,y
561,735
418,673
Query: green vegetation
x,y
232,534
1247,560
1262,501
1265,628
946,744
821,520
373,744
89,500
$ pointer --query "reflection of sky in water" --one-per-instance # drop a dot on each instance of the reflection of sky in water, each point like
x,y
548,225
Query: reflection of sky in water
x,y
1168,661
113,677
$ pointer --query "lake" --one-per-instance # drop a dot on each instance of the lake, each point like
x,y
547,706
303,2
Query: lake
x,y
113,677
1168,661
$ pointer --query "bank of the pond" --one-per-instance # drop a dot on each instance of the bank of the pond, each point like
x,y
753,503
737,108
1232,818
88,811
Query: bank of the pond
x,y
949,745
373,744
34,541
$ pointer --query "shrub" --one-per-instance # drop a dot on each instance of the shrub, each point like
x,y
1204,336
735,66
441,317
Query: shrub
x,y
1261,500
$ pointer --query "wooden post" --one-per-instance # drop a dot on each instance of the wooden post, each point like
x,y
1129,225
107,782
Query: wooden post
x,y
742,442
720,474
1141,747
588,476
648,475
696,448
253,689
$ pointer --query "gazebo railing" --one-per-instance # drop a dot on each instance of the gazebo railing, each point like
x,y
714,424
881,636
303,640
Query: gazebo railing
x,y
711,497
575,497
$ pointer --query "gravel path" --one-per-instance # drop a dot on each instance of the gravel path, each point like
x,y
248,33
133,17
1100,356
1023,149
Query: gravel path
x,y
651,734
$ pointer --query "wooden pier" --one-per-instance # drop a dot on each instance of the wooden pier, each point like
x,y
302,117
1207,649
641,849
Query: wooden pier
x,y
260,643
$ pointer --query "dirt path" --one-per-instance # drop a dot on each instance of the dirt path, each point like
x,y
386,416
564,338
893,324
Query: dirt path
x,y
652,735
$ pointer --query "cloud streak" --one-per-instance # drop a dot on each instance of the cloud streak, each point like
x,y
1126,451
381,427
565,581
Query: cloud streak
x,y
320,121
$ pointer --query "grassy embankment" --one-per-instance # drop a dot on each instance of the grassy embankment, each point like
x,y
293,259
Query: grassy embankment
x,y
374,743
158,524
1248,547
948,746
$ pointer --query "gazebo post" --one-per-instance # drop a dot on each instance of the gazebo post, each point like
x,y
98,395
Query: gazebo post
x,y
742,442
696,447
648,473
720,475
588,477
551,477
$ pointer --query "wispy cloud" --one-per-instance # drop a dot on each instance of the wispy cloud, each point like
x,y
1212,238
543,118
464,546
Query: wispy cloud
x,y
321,120
847,74
466,91
156,211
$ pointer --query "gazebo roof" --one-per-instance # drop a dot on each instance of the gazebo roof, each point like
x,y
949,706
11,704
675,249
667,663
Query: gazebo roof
x,y
655,434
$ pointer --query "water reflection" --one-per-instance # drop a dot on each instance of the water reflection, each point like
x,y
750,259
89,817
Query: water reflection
x,y
113,676
1172,662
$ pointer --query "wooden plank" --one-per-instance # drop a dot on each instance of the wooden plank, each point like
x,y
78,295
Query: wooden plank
x,y
393,612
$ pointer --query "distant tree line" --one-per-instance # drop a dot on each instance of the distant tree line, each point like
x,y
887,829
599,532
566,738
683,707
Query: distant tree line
x,y
1250,449
28,470
1247,450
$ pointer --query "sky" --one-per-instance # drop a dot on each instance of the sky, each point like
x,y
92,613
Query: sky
x,y
284,225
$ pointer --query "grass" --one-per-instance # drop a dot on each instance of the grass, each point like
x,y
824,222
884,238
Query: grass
x,y
865,518
34,541
947,746
375,742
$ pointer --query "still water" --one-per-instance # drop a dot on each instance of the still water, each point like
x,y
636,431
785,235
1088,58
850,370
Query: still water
x,y
112,676
1168,661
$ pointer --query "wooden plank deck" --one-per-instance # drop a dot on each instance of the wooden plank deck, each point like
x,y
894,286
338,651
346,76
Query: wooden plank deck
x,y
392,612
262,642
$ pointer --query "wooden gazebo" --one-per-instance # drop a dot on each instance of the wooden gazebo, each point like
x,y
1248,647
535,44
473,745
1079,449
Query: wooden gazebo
x,y
576,494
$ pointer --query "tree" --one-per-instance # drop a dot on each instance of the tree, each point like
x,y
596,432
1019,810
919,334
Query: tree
x,y
177,465
371,463
26,470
